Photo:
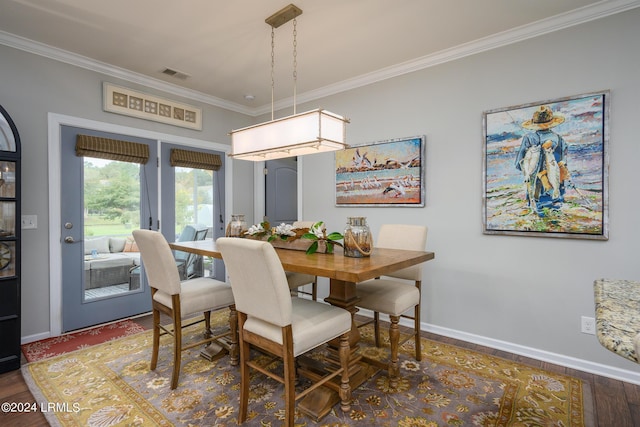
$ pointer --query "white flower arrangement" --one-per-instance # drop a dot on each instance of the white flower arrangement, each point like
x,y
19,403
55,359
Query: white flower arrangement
x,y
287,232
255,230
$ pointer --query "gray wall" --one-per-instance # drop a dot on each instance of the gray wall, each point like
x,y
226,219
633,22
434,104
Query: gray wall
x,y
525,294
520,293
30,88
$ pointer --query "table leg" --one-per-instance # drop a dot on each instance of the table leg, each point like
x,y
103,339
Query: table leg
x,y
226,344
343,294
213,351
319,402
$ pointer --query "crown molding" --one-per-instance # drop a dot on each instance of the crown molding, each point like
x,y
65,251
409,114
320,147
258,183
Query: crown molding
x,y
70,58
582,15
585,14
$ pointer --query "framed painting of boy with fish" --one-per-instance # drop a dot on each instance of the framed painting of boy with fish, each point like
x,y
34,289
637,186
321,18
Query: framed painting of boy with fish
x,y
385,173
545,168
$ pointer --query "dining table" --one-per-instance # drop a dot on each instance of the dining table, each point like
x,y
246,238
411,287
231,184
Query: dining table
x,y
344,273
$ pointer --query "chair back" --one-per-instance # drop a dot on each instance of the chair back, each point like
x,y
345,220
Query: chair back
x,y
404,236
158,260
257,279
189,233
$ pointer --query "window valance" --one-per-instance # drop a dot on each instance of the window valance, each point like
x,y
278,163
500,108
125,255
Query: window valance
x,y
111,149
195,159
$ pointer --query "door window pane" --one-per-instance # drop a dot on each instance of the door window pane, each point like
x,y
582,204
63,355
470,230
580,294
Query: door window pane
x,y
194,208
194,198
111,212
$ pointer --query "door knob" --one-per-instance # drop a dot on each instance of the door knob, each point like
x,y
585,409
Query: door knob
x,y
69,239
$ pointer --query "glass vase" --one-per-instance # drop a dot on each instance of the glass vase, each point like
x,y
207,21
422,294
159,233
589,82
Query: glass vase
x,y
358,241
237,226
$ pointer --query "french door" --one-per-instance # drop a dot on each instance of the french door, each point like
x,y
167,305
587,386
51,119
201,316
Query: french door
x,y
102,202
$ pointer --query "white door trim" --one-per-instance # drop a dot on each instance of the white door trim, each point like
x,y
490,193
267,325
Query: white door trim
x,y
55,122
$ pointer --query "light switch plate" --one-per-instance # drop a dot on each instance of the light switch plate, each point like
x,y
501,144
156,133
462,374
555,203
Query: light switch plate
x,y
29,222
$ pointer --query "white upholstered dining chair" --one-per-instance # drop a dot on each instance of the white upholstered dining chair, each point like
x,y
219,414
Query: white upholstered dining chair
x,y
297,280
286,327
181,300
396,293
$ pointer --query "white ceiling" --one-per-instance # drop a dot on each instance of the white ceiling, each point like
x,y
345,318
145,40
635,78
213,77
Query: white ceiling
x,y
225,46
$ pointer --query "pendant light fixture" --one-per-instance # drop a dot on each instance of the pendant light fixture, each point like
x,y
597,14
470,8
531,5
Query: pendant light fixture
x,y
311,132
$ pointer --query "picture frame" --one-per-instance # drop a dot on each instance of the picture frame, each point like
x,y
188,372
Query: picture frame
x,y
125,101
545,168
384,173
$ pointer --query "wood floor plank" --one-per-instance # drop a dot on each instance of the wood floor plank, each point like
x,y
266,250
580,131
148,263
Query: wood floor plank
x,y
554,368
22,395
10,384
632,392
611,402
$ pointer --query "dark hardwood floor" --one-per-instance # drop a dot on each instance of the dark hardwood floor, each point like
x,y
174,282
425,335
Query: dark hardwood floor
x,y
613,403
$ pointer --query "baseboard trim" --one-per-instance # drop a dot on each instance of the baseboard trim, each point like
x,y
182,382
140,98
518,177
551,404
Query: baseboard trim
x,y
35,337
545,356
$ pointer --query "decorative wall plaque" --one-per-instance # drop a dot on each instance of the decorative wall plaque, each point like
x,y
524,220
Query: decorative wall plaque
x,y
128,102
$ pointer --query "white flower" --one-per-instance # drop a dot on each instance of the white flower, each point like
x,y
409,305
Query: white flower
x,y
317,229
255,229
285,230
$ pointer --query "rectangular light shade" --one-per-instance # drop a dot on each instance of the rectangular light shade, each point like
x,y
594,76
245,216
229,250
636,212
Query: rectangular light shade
x,y
311,132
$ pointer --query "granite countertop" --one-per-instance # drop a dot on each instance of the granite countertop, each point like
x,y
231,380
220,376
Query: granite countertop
x,y
618,316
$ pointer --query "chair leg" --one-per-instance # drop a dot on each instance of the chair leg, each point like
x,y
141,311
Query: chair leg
x,y
394,338
376,327
314,289
233,326
244,372
177,352
156,339
345,387
289,388
416,319
416,333
177,341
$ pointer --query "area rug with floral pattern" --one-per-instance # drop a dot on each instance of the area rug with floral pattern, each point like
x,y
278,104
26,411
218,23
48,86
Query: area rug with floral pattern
x,y
56,346
110,384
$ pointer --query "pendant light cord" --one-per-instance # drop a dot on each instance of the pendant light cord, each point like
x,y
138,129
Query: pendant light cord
x,y
273,63
295,63
295,67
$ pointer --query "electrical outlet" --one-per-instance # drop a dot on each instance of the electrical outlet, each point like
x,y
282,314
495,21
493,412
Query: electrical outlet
x,y
588,325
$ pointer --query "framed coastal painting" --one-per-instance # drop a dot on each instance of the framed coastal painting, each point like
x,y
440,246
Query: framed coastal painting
x,y
545,168
385,173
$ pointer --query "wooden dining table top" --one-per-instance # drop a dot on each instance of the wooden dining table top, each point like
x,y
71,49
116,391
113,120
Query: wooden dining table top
x,y
334,266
